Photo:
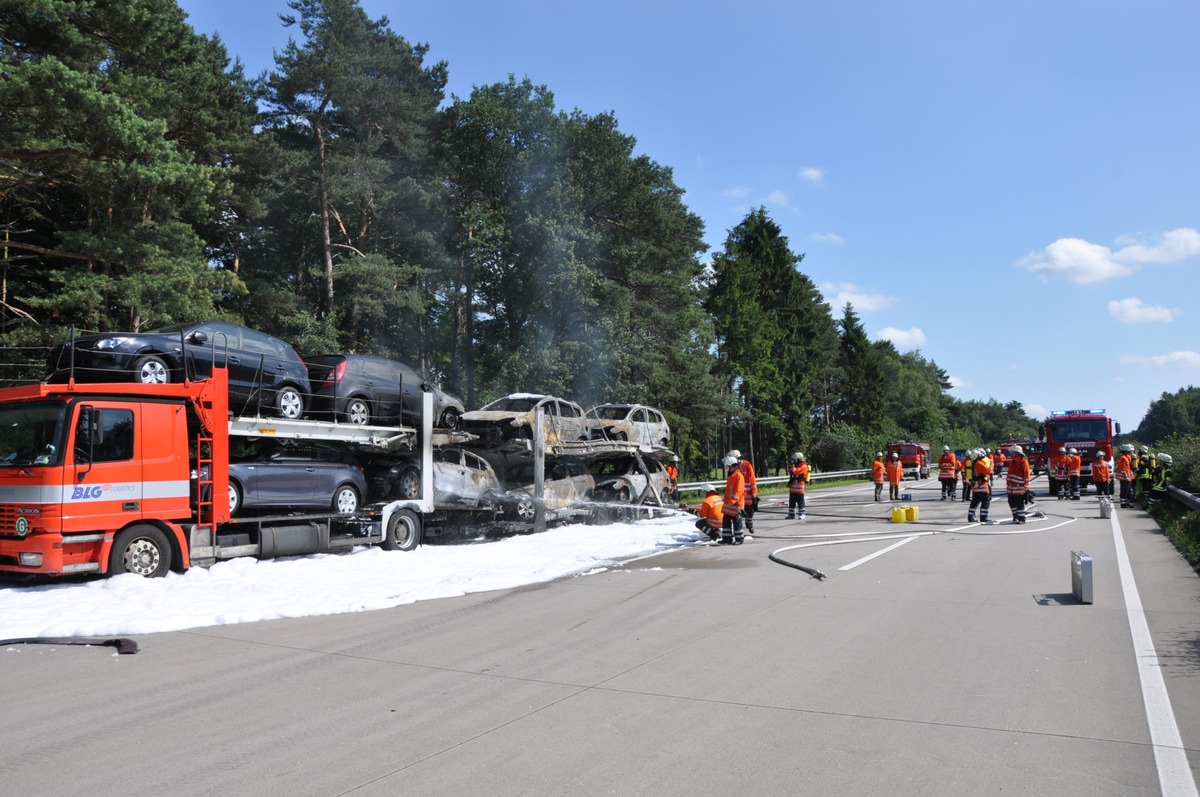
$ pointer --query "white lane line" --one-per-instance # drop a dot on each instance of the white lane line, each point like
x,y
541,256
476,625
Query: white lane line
x,y
881,552
1174,774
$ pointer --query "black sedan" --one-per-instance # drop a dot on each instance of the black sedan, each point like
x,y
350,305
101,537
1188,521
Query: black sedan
x,y
264,372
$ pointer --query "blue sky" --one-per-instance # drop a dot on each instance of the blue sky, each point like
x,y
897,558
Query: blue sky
x,y
1011,187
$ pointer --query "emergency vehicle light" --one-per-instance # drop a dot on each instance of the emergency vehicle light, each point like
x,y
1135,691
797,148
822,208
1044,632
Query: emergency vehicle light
x,y
1060,413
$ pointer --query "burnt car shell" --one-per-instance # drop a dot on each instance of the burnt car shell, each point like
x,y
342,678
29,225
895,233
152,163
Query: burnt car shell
x,y
511,420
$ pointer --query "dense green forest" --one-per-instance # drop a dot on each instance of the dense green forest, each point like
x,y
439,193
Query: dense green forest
x,y
344,203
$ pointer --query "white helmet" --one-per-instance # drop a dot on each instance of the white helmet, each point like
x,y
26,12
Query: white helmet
x,y
880,454
945,448
1127,447
1062,449
735,454
1101,455
895,455
798,456
729,461
1072,451
707,488
1163,458
1017,451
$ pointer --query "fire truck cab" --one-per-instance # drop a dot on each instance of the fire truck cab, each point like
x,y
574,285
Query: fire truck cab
x,y
1087,431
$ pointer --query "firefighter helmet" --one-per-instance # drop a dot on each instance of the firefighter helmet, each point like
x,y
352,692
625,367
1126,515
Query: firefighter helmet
x,y
729,461
1143,450
895,455
945,448
1165,459
798,456
1127,447
1062,449
707,488
1017,451
1072,451
1101,455
735,454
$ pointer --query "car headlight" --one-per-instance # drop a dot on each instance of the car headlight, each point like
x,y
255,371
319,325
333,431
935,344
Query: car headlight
x,y
112,343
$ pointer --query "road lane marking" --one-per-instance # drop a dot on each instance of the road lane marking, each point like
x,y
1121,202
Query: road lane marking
x,y
1174,774
880,552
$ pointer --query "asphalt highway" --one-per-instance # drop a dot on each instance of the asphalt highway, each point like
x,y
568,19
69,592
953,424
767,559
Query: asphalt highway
x,y
935,658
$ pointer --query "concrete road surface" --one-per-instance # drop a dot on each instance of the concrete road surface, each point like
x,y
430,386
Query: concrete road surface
x,y
957,662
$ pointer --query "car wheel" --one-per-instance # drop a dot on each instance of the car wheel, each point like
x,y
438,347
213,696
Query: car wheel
x,y
143,550
522,508
289,403
358,412
403,531
235,498
665,495
408,485
623,495
345,500
151,370
451,419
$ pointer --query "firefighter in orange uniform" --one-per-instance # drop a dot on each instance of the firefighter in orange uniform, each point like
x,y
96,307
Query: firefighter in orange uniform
x,y
710,521
895,475
1074,469
877,475
732,527
1102,475
1125,475
798,479
750,503
1058,473
981,488
948,473
673,478
1017,483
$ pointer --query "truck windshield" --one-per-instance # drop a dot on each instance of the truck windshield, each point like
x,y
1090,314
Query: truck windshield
x,y
1080,429
31,434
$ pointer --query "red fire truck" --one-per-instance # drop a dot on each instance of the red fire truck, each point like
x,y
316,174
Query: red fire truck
x,y
913,456
116,477
1087,431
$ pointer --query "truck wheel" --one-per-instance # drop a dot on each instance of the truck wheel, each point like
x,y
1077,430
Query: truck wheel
x,y
403,532
289,403
143,550
345,499
151,370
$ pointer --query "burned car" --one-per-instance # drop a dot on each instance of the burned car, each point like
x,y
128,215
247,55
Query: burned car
x,y
459,477
634,423
566,491
623,480
509,421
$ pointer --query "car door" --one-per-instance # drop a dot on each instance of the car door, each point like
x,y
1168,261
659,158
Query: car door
x,y
288,475
107,484
263,359
478,478
383,380
450,474
641,428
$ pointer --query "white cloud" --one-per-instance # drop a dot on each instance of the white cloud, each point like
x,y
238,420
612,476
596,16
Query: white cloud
x,y
813,175
1036,410
956,382
843,292
903,338
1134,311
1079,261
827,238
1175,361
778,198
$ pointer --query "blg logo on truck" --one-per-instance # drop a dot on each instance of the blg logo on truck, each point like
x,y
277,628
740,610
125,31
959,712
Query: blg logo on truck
x,y
95,492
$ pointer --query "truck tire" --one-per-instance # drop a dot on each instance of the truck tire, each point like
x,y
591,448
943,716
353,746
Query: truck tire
x,y
403,532
143,550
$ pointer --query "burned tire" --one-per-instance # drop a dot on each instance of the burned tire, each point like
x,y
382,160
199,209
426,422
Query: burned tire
x,y
143,550
522,508
403,532
451,419
151,370
407,486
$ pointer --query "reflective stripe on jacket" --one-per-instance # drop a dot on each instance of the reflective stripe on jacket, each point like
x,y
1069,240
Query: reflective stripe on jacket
x,y
1017,480
735,494
798,477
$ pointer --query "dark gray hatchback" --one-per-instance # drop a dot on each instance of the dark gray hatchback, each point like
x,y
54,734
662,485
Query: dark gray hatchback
x,y
361,389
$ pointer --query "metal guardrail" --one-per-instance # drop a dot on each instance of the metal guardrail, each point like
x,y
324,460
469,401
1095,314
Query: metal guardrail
x,y
1192,502
694,487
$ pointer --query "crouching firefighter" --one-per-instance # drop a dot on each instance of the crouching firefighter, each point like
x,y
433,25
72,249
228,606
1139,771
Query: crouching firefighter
x,y
710,521
1016,484
981,488
732,527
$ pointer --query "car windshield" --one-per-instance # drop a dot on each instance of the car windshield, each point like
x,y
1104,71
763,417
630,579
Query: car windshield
x,y
612,467
1081,429
616,413
514,404
31,434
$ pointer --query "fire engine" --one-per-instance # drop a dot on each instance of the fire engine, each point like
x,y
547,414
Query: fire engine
x,y
1087,431
914,457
